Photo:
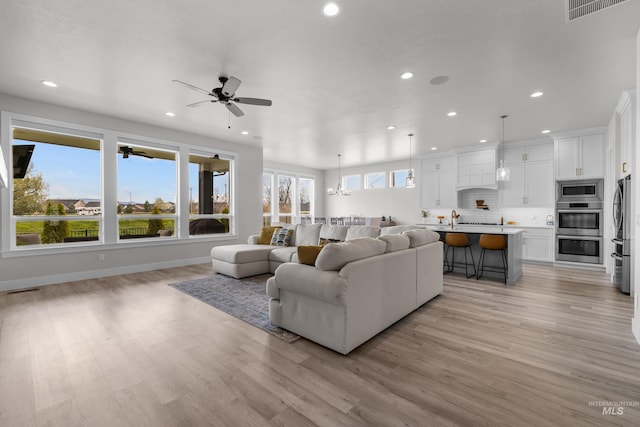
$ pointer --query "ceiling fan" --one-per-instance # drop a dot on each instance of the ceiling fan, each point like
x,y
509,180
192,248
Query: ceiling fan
x,y
225,95
126,151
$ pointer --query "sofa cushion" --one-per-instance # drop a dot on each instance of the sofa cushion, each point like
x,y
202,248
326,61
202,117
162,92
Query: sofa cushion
x,y
356,231
308,234
282,237
395,242
334,256
308,254
283,254
266,233
334,232
397,229
421,237
241,254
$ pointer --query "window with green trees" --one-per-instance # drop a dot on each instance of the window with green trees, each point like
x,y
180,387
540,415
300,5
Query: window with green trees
x,y
56,186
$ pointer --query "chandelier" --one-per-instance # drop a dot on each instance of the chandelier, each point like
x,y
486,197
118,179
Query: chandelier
x,y
339,191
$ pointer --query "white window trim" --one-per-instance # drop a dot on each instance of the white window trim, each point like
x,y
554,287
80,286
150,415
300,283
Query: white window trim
x,y
109,225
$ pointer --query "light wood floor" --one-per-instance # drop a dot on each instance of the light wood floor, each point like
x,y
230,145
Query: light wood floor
x,y
132,351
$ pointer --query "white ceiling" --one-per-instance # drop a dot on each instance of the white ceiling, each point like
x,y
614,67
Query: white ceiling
x,y
335,82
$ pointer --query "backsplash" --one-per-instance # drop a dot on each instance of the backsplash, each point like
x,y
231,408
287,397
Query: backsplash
x,y
521,216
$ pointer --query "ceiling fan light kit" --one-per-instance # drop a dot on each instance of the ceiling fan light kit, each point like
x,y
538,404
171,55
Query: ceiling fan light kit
x,y
339,191
225,95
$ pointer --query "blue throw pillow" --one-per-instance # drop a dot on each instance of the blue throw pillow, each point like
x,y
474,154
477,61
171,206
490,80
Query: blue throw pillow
x,y
281,237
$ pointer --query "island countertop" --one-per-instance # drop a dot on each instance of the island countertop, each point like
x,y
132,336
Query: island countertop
x,y
476,229
514,247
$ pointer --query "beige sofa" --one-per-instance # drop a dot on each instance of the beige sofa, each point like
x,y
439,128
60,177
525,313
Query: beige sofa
x,y
357,288
251,259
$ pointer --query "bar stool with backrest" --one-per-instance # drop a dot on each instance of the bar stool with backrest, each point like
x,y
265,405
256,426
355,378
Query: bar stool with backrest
x,y
493,242
459,240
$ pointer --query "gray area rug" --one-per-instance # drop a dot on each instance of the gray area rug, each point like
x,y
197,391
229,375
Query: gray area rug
x,y
245,299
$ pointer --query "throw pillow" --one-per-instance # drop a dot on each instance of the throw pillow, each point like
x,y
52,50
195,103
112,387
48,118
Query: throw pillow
x,y
420,237
308,254
281,237
336,255
266,233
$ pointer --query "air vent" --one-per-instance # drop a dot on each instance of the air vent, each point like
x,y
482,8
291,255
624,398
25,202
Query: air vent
x,y
579,8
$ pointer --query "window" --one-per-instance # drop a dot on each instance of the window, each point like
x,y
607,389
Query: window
x,y
296,195
286,194
306,194
374,180
147,189
267,191
398,179
209,194
57,196
352,182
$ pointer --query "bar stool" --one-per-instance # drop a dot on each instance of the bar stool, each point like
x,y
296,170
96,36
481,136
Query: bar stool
x,y
459,240
493,242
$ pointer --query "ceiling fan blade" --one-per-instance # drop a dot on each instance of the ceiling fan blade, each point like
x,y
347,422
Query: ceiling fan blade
x,y
192,87
253,101
230,86
235,110
199,103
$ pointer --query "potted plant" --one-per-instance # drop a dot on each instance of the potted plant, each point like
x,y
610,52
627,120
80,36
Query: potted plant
x,y
425,215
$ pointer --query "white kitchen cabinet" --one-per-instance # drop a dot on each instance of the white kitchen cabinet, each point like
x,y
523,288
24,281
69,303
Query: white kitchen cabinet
x,y
531,180
438,182
626,132
580,156
476,169
538,244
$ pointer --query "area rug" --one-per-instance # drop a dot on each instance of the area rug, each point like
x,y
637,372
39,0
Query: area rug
x,y
245,299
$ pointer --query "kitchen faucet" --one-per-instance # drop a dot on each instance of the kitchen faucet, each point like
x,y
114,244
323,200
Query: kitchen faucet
x,y
454,214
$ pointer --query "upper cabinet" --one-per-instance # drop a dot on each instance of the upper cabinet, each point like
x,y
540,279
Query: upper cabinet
x,y
531,182
476,169
437,189
626,132
580,156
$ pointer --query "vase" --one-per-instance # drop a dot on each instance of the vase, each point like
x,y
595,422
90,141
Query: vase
x,y
424,219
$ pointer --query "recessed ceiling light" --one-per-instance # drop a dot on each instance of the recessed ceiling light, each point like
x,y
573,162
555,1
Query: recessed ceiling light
x,y
483,141
536,94
330,9
452,113
170,114
48,83
245,132
434,148
391,127
545,131
407,75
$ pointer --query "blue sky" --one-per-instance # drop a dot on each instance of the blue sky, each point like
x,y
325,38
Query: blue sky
x,y
74,173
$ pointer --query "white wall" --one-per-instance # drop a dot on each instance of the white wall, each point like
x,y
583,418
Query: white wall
x,y
635,181
402,204
30,269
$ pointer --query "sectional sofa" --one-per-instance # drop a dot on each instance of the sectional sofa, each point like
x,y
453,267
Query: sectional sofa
x,y
357,288
365,281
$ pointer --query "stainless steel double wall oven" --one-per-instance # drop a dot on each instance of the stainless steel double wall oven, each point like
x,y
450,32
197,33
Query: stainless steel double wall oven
x,y
580,221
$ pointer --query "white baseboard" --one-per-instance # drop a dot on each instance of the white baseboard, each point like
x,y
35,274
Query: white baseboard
x,y
635,328
32,282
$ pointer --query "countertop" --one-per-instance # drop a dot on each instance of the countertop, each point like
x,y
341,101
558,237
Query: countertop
x,y
477,229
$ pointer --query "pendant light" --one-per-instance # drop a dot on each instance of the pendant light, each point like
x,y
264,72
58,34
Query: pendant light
x,y
338,191
503,172
411,179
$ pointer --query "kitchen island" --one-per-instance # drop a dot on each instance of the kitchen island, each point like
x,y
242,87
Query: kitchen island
x,y
492,258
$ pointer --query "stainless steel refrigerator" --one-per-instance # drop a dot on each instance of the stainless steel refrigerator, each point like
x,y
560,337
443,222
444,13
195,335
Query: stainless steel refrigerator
x,y
622,241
